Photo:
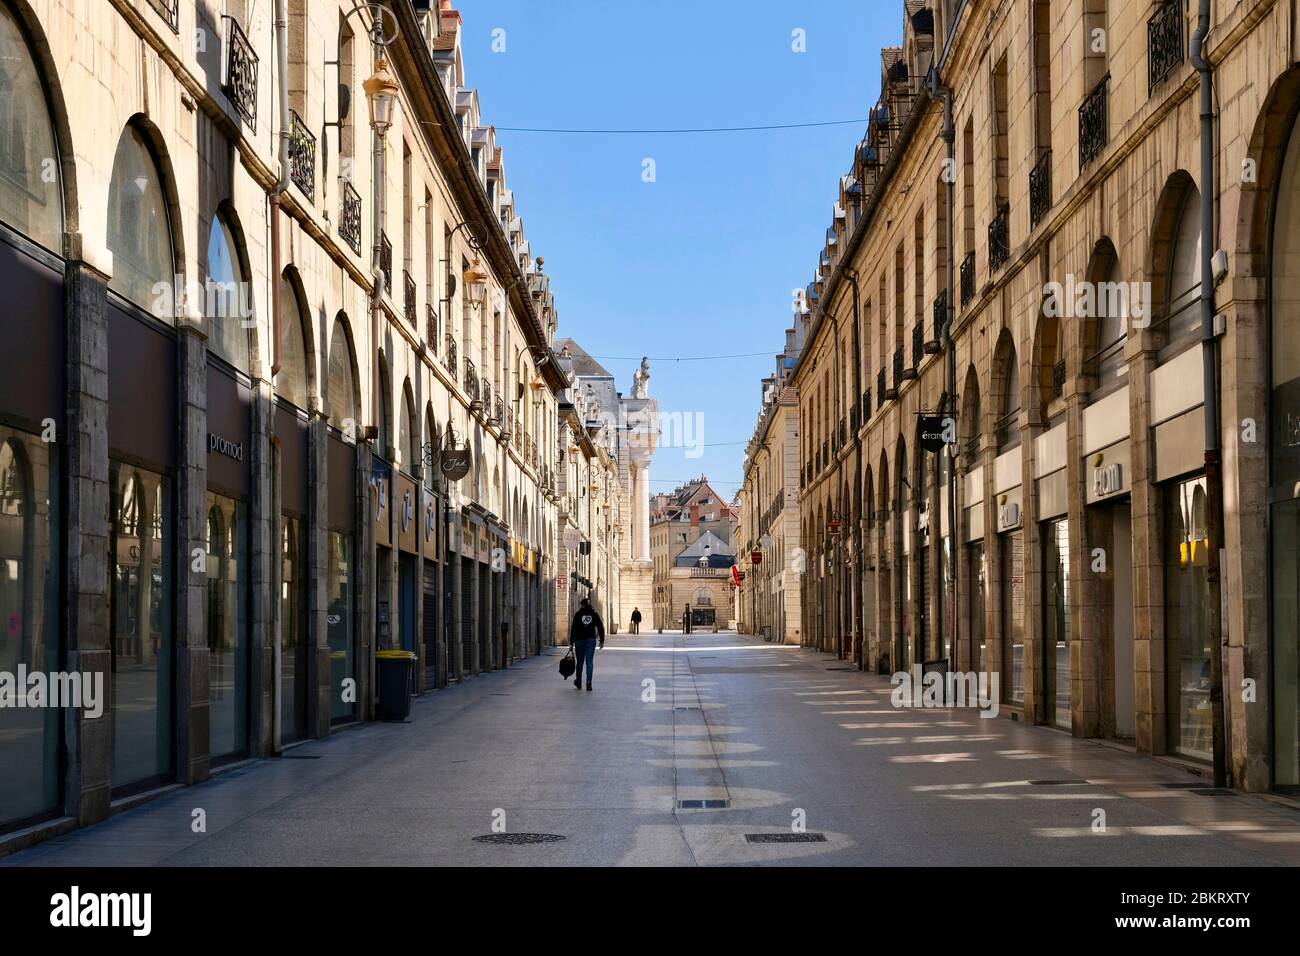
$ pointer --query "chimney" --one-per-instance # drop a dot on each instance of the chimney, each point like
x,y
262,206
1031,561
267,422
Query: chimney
x,y
695,515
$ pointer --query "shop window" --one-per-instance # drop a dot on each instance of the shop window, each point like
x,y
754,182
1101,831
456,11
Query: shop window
x,y
139,229
383,445
227,627
1187,649
31,190
1012,559
979,583
1180,319
338,619
29,632
1056,620
293,643
141,626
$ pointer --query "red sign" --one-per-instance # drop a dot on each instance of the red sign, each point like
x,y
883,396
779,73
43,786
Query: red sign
x,y
756,557
735,575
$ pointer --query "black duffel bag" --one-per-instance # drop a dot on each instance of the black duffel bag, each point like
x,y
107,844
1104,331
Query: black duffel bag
x,y
568,664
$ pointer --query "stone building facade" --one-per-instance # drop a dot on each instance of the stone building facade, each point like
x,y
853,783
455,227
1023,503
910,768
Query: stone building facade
x,y
692,554
769,602
1002,364
250,338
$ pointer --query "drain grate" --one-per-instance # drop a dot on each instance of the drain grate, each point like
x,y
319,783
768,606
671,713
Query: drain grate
x,y
703,804
785,837
841,668
1182,786
300,756
1213,792
686,708
519,839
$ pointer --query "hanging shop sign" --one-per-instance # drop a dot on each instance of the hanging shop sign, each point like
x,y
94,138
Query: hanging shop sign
x,y
455,463
932,432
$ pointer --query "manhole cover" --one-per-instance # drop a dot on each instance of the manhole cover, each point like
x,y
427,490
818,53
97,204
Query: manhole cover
x,y
841,668
785,837
1212,792
703,804
519,839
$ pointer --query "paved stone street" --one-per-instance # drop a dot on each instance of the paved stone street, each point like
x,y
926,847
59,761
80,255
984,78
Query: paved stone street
x,y
770,729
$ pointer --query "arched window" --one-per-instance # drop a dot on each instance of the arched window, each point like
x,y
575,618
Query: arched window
x,y
341,382
29,154
140,230
227,301
291,381
409,432
972,425
1008,368
431,448
1183,289
383,445
1109,331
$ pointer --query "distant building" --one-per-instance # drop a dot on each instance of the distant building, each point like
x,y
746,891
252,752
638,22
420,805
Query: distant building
x,y
693,551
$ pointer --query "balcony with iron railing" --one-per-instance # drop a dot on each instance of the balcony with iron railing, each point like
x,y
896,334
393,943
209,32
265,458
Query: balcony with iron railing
x,y
918,345
302,156
866,405
386,261
450,359
240,80
968,278
1165,48
167,9
497,419
902,371
841,432
470,381
1058,380
408,296
431,335
350,216
1040,188
1094,123
1000,238
938,320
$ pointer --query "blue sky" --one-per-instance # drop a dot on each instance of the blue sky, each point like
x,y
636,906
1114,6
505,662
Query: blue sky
x,y
702,261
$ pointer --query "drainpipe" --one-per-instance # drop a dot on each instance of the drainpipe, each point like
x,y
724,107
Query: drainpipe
x,y
949,136
859,618
281,186
1209,366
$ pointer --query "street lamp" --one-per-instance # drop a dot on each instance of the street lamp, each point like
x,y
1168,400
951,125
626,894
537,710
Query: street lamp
x,y
475,283
381,94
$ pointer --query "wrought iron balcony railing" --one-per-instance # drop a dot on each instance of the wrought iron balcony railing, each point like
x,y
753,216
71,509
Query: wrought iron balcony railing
x,y
1040,188
881,396
408,296
431,335
1058,380
498,412
470,382
866,405
240,80
302,156
968,278
386,261
1094,123
938,320
902,371
167,9
350,217
1164,42
918,345
450,359
1000,238
485,392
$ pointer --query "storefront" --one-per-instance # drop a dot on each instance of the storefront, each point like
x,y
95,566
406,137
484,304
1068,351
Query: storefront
x,y
31,405
341,575
976,571
1284,467
1009,514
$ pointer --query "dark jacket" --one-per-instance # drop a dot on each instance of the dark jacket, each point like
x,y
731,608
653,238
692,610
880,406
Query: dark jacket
x,y
636,617
586,626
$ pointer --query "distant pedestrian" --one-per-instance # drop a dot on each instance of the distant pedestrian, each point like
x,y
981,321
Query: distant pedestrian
x,y
584,631
636,620
686,620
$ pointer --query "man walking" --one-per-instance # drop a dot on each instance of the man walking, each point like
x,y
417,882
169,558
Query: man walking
x,y
636,620
686,620
584,631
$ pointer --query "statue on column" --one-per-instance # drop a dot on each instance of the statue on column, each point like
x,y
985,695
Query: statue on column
x,y
640,378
